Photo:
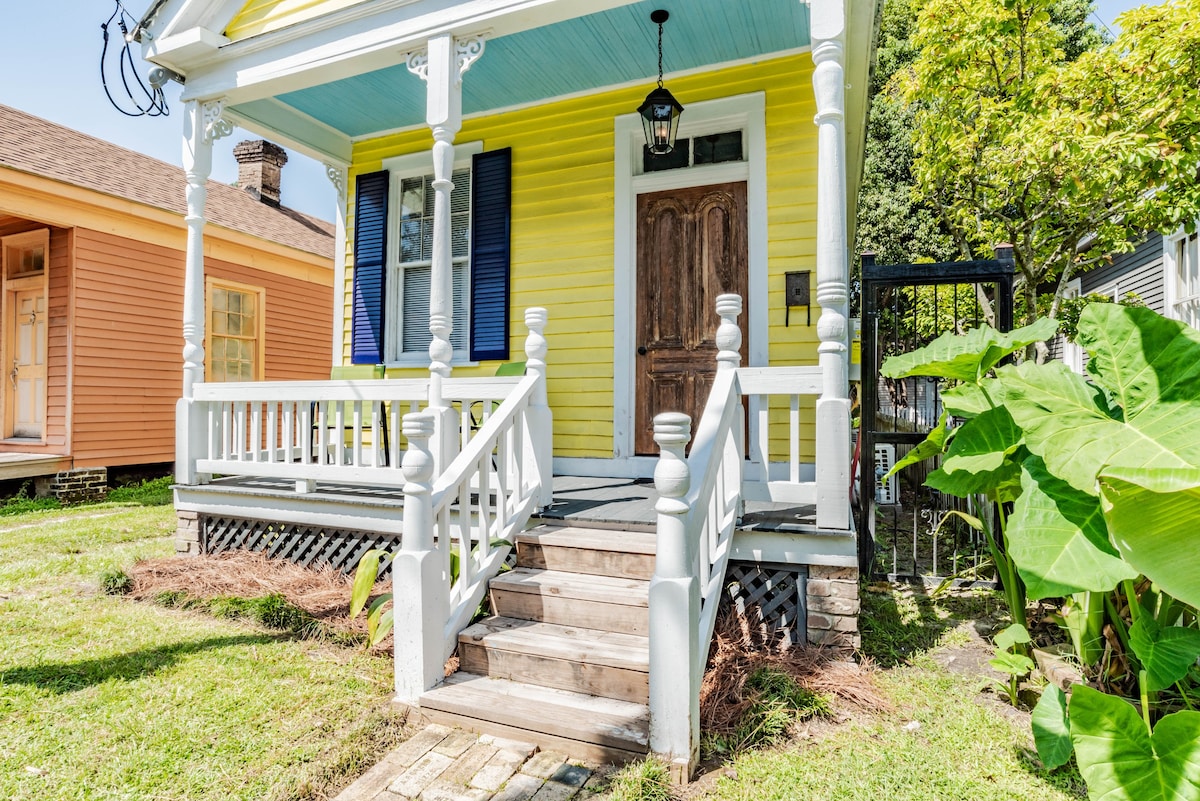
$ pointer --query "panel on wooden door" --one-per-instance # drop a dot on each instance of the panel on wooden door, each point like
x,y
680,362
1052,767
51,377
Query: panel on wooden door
x,y
691,248
26,390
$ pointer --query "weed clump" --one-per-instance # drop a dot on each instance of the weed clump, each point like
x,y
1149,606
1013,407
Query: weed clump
x,y
647,780
22,502
151,492
115,581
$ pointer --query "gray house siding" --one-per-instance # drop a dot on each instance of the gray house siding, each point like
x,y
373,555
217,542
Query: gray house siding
x,y
1140,272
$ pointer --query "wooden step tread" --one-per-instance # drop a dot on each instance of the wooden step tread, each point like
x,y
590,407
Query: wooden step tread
x,y
571,643
597,539
605,722
580,586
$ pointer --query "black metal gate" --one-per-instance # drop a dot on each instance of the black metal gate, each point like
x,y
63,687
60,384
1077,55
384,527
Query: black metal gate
x,y
904,531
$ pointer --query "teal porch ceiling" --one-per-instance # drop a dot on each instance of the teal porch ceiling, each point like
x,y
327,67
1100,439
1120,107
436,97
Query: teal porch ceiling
x,y
578,55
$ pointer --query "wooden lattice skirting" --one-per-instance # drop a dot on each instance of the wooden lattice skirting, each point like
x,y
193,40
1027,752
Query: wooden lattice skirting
x,y
770,598
310,546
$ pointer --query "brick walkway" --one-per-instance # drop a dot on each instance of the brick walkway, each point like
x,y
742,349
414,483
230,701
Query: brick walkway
x,y
444,764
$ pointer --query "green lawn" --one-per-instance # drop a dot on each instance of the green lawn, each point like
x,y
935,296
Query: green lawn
x,y
105,698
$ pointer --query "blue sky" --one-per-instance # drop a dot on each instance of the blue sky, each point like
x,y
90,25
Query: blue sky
x,y
49,66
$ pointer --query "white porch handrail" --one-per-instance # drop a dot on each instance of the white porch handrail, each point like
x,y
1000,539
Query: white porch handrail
x,y
694,537
334,431
487,493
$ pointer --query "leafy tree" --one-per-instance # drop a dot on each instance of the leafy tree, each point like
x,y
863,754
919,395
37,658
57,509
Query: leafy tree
x,y
1027,133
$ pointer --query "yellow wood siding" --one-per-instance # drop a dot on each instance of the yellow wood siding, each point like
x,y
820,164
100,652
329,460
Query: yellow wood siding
x,y
263,16
562,227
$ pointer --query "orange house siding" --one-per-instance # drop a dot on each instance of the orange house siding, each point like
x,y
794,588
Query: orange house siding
x,y
129,345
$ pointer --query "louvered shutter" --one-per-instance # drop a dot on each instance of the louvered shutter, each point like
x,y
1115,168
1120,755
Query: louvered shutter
x,y
370,256
491,214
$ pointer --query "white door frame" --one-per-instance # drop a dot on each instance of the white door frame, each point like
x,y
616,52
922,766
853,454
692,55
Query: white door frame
x,y
12,285
747,113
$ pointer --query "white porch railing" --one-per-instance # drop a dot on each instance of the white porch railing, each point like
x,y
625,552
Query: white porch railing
x,y
485,495
700,500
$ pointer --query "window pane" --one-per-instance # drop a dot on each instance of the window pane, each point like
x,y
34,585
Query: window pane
x,y
678,157
718,148
416,336
220,300
220,322
410,240
412,197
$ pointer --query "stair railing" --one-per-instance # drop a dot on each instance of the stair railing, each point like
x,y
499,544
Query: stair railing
x,y
457,526
696,522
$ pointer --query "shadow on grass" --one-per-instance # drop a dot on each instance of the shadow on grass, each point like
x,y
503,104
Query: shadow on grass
x,y
66,677
900,622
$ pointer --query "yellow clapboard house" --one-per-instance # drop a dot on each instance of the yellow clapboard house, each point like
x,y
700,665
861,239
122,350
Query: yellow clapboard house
x,y
555,286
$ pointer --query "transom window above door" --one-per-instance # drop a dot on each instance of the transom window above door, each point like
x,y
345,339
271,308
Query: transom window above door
x,y
715,148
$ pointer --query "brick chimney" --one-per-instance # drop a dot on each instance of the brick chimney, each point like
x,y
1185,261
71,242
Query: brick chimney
x,y
259,166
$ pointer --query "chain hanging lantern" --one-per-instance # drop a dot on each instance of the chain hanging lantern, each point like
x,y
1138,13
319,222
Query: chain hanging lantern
x,y
660,110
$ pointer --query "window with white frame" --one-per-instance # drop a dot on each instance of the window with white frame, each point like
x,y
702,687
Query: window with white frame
x,y
1183,278
410,259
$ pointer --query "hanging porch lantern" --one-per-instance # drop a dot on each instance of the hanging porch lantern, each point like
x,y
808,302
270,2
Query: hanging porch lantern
x,y
660,110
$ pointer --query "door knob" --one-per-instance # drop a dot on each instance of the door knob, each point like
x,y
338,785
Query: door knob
x,y
641,350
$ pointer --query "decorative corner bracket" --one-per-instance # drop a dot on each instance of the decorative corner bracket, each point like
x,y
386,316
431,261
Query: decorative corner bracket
x,y
417,62
337,176
467,51
215,125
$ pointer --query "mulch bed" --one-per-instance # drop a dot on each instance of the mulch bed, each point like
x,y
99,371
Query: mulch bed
x,y
324,593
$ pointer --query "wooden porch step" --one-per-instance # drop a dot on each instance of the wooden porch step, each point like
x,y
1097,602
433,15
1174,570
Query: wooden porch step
x,y
584,726
603,663
573,599
600,552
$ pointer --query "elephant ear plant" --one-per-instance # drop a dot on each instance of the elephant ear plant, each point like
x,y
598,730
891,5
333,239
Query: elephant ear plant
x,y
1103,476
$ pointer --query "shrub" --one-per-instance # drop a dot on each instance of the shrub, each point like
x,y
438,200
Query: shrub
x,y
647,780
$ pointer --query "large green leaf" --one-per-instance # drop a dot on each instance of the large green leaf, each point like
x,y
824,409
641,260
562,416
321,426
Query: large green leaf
x,y
1166,653
980,456
1067,421
1121,761
1157,532
972,400
933,444
1058,538
1139,356
967,356
1051,732
364,579
1014,634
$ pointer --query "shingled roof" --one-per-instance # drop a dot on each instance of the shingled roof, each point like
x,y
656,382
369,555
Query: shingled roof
x,y
33,145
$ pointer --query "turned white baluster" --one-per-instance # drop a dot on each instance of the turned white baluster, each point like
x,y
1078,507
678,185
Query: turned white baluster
x,y
729,334
833,266
674,607
541,419
420,591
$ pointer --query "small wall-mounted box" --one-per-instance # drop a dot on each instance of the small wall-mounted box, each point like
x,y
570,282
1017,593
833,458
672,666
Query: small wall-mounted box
x,y
796,293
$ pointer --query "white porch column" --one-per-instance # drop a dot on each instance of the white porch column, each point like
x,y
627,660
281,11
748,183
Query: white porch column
x,y
337,175
442,67
828,21
202,125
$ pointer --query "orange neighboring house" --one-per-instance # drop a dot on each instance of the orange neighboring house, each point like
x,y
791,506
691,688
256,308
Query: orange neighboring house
x,y
92,238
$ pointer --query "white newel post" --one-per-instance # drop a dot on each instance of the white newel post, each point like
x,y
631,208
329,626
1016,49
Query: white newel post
x,y
420,589
442,66
833,265
202,125
729,357
541,419
674,608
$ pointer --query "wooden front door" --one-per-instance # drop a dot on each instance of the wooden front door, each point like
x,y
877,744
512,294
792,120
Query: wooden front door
x,y
691,247
25,382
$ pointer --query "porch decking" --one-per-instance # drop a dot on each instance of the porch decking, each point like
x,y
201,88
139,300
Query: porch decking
x,y
26,465
602,502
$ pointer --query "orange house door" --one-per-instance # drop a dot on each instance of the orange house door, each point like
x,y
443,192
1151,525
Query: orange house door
x,y
691,247
25,383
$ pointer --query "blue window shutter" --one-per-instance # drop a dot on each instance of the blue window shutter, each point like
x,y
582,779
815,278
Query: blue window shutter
x,y
370,266
491,219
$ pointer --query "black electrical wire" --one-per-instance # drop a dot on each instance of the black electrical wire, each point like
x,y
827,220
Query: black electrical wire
x,y
145,101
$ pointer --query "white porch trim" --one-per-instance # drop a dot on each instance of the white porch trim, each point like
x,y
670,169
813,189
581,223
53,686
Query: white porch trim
x,y
745,112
